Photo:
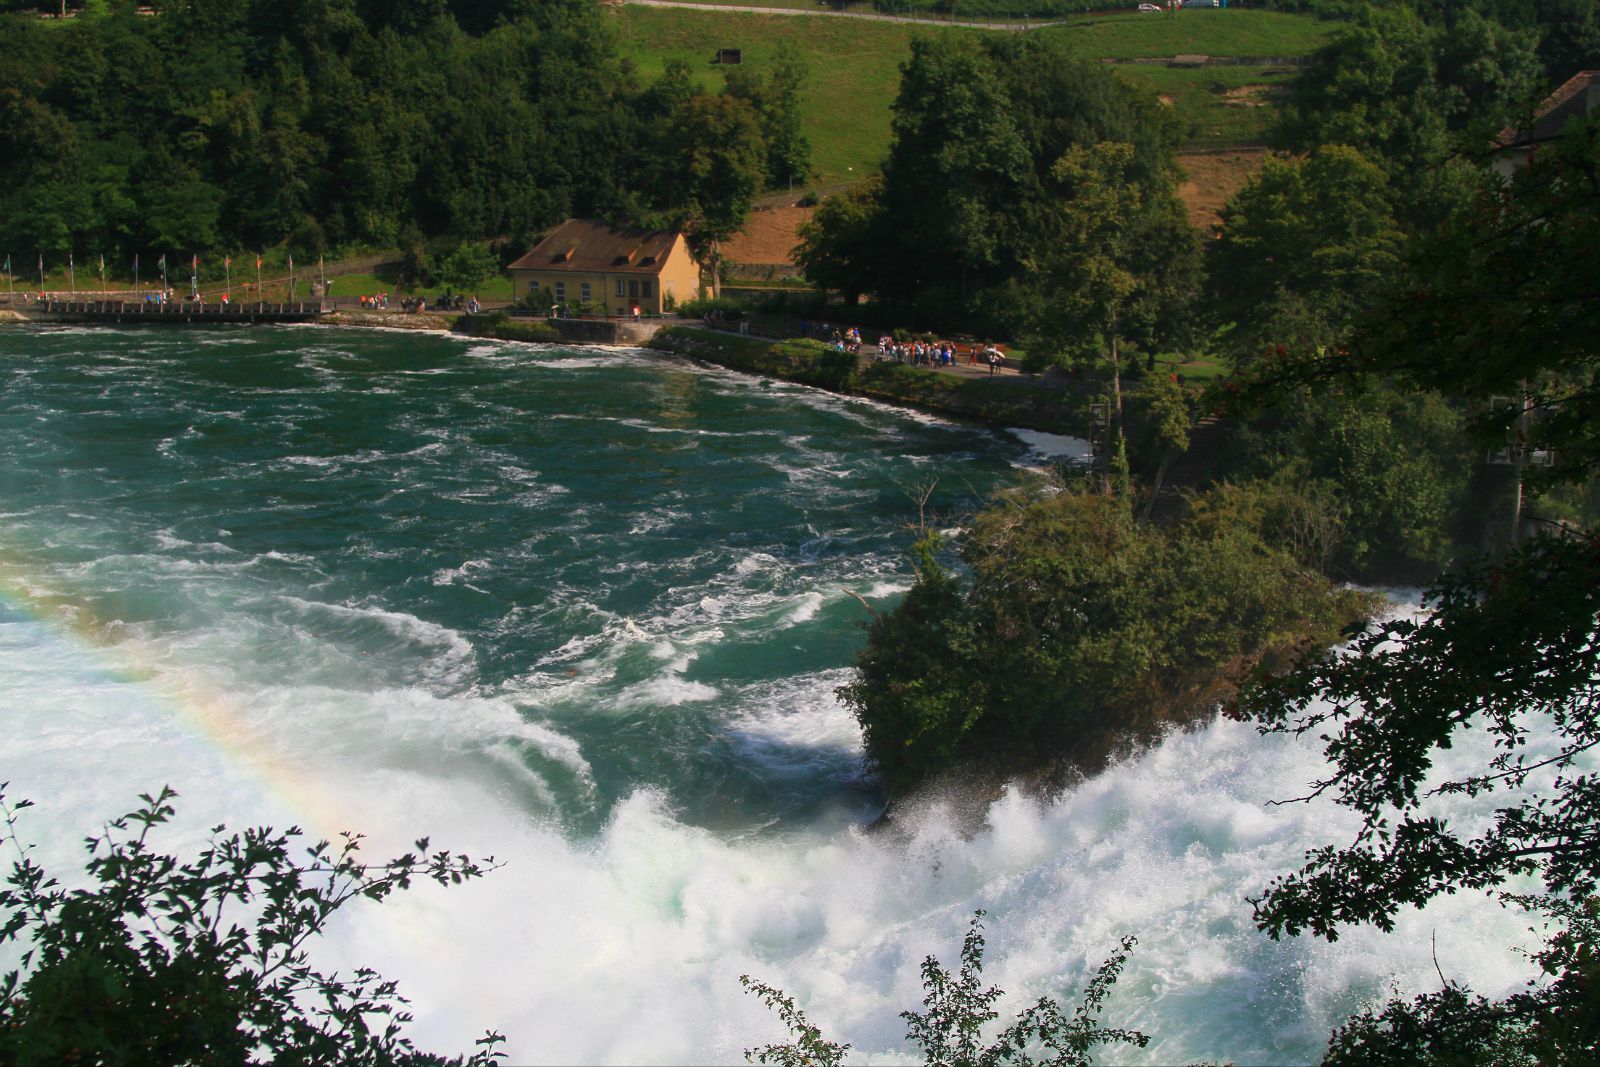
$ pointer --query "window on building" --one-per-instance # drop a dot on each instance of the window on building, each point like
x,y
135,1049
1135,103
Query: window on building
x,y
561,291
644,288
588,294
622,287
633,287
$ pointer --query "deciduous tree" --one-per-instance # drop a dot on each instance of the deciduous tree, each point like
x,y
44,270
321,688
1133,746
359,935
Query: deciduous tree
x,y
166,960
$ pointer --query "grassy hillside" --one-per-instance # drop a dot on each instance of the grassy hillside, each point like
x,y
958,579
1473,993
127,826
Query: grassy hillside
x,y
1203,31
856,65
1218,105
855,69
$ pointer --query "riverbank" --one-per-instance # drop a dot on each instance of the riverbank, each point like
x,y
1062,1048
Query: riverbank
x,y
1023,401
1011,399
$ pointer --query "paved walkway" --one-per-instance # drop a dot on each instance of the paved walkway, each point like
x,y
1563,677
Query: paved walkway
x,y
873,354
822,12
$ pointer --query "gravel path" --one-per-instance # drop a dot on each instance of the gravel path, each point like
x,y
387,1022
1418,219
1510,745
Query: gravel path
x,y
869,16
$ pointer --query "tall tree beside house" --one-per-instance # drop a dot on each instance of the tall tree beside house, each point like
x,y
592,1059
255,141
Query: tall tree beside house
x,y
775,91
1117,255
970,199
836,243
953,177
711,170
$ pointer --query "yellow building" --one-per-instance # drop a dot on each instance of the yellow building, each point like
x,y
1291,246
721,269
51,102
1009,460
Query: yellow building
x,y
582,261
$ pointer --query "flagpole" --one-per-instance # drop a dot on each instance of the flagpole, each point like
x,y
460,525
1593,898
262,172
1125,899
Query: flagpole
x,y
323,275
163,277
41,272
11,284
258,283
227,277
102,275
72,279
291,279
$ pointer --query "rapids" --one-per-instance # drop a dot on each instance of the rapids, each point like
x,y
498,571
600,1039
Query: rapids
x,y
585,610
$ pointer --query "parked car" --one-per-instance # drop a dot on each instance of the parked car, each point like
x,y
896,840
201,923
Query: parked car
x,y
1148,7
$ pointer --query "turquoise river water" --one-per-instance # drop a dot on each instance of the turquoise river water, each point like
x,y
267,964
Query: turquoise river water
x,y
586,610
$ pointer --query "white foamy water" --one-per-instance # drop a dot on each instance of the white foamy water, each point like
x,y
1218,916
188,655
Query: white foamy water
x,y
588,614
1054,446
626,946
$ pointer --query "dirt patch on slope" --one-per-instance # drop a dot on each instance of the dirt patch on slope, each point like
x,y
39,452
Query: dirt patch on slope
x,y
769,235
1213,178
1251,95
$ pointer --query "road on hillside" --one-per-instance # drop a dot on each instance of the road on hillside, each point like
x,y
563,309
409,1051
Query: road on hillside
x,y
829,13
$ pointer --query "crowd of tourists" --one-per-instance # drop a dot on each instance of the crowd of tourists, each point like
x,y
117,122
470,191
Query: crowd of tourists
x,y
941,353
417,305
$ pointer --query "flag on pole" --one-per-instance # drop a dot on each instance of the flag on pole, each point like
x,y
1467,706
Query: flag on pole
x,y
258,263
162,262
102,263
227,261
194,263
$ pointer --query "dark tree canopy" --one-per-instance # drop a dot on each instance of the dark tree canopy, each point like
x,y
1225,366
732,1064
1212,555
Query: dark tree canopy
x,y
217,126
166,960
1302,249
972,192
1500,299
1412,97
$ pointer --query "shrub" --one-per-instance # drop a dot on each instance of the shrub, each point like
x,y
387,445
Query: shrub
x,y
732,310
1075,632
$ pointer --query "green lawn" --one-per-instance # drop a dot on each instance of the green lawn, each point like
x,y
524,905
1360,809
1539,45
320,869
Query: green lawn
x,y
855,70
855,65
1218,105
1200,32
900,9
1195,370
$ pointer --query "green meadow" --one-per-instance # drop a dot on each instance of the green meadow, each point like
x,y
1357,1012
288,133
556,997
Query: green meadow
x,y
1217,105
1204,32
855,66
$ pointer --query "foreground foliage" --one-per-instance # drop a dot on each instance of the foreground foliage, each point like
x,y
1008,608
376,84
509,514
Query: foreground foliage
x,y
1509,652
1498,301
1505,649
957,1008
1555,1021
166,961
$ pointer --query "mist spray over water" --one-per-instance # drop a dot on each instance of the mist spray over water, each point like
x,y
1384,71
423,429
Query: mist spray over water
x,y
587,613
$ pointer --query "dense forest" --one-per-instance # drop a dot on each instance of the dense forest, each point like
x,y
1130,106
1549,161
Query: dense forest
x,y
224,125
